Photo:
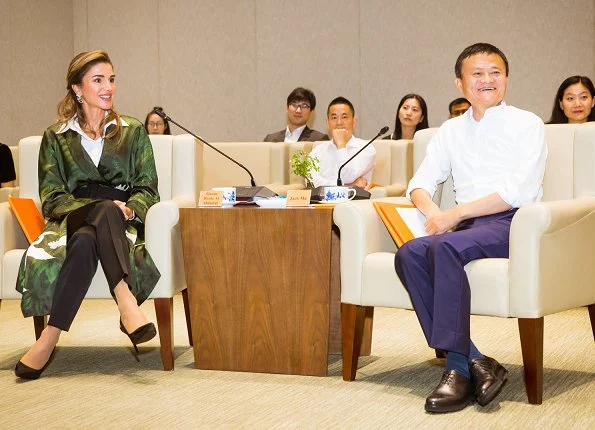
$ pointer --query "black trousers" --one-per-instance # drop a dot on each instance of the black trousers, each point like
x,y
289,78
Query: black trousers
x,y
96,232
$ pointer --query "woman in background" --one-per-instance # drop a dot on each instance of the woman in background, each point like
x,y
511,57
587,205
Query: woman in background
x,y
412,115
97,180
154,124
574,102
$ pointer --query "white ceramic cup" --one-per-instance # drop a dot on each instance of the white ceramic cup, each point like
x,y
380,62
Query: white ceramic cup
x,y
229,195
338,194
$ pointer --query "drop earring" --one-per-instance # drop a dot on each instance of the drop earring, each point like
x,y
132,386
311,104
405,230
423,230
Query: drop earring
x,y
79,99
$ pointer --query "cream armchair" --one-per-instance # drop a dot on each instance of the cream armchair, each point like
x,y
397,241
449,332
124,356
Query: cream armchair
x,y
550,268
178,160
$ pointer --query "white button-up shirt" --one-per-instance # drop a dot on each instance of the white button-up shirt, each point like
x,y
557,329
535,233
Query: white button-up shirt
x,y
293,137
504,153
93,147
331,159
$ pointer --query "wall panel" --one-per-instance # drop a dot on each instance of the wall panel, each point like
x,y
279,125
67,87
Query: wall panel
x,y
36,50
224,68
208,67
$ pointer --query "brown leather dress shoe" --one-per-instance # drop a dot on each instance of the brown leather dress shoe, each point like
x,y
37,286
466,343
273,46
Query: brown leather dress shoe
x,y
452,394
489,377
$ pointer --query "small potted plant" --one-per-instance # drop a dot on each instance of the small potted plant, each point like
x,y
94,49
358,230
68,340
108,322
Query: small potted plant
x,y
302,164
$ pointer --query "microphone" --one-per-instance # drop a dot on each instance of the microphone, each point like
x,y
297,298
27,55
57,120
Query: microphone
x,y
159,111
382,131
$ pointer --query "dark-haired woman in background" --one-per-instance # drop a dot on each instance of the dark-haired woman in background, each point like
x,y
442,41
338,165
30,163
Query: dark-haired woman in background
x,y
97,180
412,115
154,124
575,101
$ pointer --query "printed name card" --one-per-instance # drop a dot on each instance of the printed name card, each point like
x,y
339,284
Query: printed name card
x,y
298,197
213,199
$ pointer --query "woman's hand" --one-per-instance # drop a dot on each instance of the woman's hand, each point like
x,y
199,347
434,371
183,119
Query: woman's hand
x,y
128,213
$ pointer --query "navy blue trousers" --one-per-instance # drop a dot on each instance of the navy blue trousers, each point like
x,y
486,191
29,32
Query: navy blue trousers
x,y
432,270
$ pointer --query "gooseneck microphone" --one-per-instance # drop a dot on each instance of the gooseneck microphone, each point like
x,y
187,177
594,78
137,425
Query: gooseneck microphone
x,y
382,131
163,115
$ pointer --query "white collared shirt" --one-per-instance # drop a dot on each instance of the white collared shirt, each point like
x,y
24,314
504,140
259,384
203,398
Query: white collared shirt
x,y
504,153
331,158
93,147
295,136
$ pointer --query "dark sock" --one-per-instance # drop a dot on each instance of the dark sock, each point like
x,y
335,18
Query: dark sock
x,y
474,353
458,362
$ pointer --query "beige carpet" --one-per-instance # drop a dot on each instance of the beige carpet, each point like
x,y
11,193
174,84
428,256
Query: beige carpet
x,y
94,381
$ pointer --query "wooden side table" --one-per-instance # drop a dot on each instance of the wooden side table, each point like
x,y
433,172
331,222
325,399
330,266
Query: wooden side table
x,y
263,288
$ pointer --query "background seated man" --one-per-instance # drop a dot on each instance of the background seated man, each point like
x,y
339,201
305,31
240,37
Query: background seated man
x,y
341,120
7,172
301,102
458,107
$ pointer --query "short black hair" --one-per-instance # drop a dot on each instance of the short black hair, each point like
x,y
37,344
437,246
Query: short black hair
x,y
457,101
340,101
302,95
478,48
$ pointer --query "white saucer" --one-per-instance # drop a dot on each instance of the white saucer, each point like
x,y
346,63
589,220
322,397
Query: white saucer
x,y
322,202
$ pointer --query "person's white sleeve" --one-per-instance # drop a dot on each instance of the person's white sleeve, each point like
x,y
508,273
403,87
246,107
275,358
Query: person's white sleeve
x,y
524,184
359,166
318,178
434,169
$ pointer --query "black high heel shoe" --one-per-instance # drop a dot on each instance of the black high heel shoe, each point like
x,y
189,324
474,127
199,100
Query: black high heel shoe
x,y
141,335
23,371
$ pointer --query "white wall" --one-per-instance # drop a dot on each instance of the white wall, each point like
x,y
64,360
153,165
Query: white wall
x,y
35,48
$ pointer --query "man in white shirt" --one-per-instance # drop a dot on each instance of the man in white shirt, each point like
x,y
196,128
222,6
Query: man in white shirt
x,y
341,120
496,155
301,102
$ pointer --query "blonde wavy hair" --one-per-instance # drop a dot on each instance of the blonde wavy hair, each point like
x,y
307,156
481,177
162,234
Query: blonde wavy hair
x,y
69,107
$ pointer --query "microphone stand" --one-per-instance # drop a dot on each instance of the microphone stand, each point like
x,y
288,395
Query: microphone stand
x,y
168,118
382,131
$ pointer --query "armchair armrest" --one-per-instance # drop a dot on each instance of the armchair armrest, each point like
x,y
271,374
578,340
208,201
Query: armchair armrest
x,y
164,242
11,234
184,201
8,191
551,265
392,190
362,233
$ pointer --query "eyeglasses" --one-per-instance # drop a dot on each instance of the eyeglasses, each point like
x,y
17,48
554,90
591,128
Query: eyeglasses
x,y
156,124
302,106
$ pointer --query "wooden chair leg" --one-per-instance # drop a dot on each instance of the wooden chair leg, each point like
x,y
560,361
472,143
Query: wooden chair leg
x,y
592,316
366,348
39,322
531,333
352,328
187,312
164,308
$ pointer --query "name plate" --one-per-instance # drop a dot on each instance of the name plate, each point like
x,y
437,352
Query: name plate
x,y
213,199
298,198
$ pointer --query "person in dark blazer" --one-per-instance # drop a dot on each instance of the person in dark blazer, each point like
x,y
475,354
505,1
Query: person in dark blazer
x,y
301,102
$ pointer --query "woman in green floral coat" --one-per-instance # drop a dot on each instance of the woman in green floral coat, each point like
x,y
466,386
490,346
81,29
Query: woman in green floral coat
x,y
97,180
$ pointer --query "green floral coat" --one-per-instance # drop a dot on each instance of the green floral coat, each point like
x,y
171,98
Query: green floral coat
x,y
127,163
